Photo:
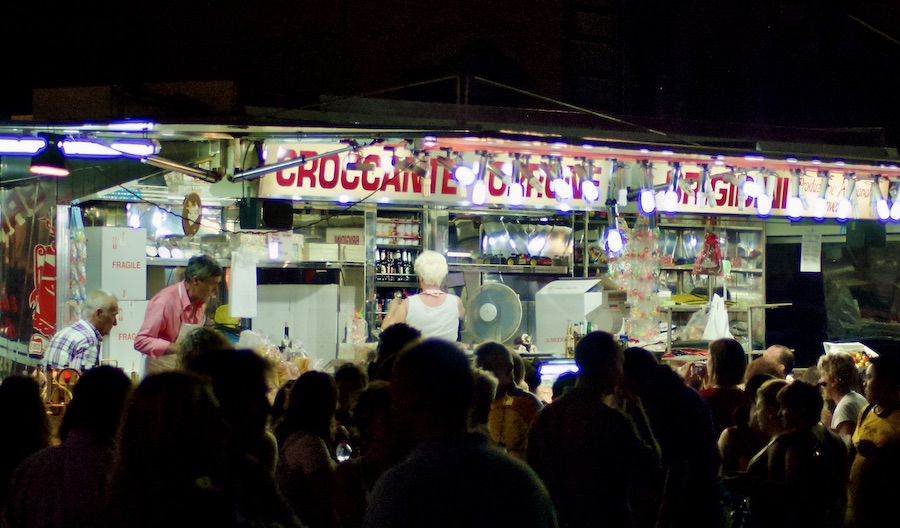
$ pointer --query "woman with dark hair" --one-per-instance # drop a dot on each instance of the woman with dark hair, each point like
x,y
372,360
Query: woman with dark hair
x,y
27,430
169,467
726,363
68,481
305,470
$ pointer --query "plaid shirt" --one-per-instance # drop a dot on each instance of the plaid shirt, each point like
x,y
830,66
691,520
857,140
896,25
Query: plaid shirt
x,y
77,346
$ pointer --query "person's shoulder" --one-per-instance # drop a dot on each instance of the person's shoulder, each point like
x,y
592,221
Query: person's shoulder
x,y
526,396
39,463
858,399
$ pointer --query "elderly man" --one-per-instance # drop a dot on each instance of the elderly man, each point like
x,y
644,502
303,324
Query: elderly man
x,y
784,357
175,311
77,346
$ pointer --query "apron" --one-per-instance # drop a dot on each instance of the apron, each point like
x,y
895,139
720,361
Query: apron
x,y
166,362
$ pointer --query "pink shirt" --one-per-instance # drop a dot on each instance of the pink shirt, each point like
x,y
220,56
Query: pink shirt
x,y
165,314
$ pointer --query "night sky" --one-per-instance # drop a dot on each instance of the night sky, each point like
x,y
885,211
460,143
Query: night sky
x,y
823,63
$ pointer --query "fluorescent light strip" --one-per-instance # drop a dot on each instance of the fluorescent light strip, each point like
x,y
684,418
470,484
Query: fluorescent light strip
x,y
26,145
87,148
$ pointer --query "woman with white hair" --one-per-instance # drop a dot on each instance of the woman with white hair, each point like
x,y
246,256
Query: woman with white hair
x,y
432,311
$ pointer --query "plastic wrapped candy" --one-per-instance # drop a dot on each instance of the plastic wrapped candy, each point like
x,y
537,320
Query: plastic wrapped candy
x,y
709,261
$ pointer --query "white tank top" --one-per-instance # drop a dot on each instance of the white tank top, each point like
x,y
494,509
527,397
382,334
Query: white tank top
x,y
438,321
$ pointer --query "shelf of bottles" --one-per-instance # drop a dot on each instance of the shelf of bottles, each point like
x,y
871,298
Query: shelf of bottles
x,y
397,244
394,267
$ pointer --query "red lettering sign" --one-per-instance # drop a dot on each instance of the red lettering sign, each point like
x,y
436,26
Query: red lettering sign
x,y
124,264
43,299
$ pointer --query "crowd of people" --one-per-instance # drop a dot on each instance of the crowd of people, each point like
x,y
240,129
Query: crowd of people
x,y
425,435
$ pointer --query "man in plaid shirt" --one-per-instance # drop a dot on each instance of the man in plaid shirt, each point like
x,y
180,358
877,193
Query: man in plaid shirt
x,y
77,346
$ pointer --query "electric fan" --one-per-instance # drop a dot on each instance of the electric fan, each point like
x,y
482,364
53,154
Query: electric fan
x,y
493,313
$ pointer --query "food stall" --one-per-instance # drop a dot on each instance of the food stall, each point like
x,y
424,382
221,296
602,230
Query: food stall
x,y
339,213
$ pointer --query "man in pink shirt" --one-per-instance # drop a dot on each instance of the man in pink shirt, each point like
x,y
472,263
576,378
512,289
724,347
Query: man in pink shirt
x,y
175,311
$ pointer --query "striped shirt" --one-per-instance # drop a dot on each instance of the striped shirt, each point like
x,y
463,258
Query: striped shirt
x,y
76,346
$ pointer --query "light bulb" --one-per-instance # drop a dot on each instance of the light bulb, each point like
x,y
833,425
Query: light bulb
x,y
895,211
464,175
564,207
882,209
844,209
516,193
764,204
751,188
479,192
670,201
795,207
819,207
562,188
614,242
647,201
622,198
589,191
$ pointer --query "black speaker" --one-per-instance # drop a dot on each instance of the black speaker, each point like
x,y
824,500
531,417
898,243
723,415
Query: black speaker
x,y
269,214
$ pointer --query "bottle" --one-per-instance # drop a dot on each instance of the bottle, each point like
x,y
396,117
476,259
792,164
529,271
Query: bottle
x,y
135,379
588,329
570,340
286,340
407,266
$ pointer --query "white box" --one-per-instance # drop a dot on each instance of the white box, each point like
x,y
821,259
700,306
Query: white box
x,y
119,344
321,252
316,314
833,347
353,253
575,300
283,247
117,261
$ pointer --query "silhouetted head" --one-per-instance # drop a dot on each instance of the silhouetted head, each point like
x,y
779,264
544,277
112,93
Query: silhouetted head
x,y
727,362
171,433
432,385
390,342
497,359
311,405
240,382
599,358
97,403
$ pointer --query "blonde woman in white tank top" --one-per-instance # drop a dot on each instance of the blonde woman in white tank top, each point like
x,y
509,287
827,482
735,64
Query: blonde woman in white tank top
x,y
433,311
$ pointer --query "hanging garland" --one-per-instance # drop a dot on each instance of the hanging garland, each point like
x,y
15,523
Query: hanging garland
x,y
636,270
77,264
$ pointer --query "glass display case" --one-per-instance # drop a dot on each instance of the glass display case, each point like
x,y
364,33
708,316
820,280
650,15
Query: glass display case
x,y
741,282
522,250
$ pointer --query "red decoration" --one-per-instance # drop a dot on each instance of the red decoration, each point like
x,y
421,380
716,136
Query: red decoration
x,y
709,261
